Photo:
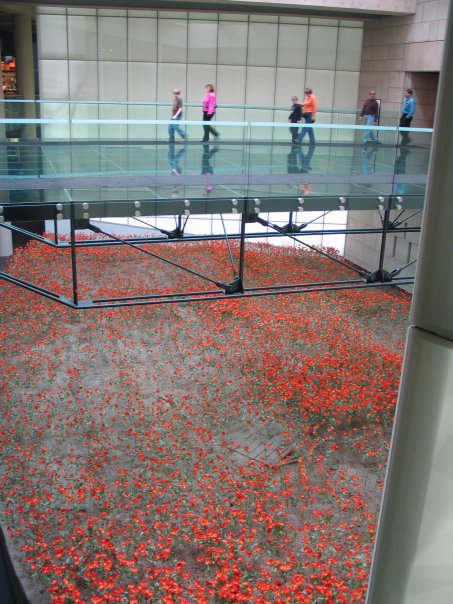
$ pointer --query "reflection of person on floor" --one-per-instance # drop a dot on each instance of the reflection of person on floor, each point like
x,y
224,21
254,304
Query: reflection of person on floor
x,y
368,161
400,168
206,166
298,162
174,158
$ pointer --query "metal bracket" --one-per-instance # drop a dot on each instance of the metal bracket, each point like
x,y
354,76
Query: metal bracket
x,y
235,287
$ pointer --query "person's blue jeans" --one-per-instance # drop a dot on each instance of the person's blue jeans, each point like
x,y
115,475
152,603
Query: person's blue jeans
x,y
175,127
369,134
308,120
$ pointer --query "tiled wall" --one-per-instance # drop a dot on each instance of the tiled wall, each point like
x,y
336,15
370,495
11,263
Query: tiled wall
x,y
140,56
399,53
402,52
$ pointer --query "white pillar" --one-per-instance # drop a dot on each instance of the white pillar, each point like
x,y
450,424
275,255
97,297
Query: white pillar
x,y
413,558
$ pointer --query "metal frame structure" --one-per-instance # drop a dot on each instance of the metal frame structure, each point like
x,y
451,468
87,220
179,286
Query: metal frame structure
x,y
250,210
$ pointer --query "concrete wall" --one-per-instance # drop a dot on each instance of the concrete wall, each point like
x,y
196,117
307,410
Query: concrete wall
x,y
402,52
399,53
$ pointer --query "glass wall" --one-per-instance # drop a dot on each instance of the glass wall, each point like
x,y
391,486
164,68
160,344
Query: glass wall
x,y
140,56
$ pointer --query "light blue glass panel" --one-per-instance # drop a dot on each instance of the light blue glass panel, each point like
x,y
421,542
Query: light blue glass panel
x,y
204,16
112,81
231,114
197,78
322,47
292,20
202,42
82,112
113,131
142,81
292,45
193,112
262,44
142,131
322,84
142,40
83,80
162,14
81,11
55,111
52,36
50,10
146,14
113,111
112,34
170,76
260,86
53,79
349,53
346,87
232,44
172,40
112,12
231,81
232,17
82,37
262,131
289,82
324,22
163,112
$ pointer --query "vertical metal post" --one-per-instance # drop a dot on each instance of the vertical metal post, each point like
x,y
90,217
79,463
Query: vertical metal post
x,y
242,243
75,292
413,556
55,230
385,224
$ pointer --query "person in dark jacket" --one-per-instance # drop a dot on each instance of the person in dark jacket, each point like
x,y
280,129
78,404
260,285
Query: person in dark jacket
x,y
295,117
370,111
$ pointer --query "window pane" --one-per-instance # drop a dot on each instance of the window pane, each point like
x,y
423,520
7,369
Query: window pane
x,y
53,36
202,41
112,39
82,35
262,45
142,40
322,47
172,40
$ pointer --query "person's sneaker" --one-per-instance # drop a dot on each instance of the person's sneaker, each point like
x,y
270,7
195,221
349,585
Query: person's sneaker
x,y
175,172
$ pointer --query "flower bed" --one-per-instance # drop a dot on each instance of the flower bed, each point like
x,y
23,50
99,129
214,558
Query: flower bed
x,y
123,478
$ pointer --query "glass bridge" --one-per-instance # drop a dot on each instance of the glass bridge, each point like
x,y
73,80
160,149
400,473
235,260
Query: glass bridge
x,y
71,183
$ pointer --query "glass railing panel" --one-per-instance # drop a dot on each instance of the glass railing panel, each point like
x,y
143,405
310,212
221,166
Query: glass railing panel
x,y
139,127
84,121
248,160
56,122
411,162
230,114
113,123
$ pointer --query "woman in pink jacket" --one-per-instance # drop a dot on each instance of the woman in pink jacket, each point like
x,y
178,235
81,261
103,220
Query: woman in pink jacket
x,y
209,106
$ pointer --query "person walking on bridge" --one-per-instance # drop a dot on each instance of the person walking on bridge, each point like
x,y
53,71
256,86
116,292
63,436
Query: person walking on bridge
x,y
370,112
310,107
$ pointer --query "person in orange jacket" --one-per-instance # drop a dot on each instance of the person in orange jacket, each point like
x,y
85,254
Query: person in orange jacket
x,y
310,107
